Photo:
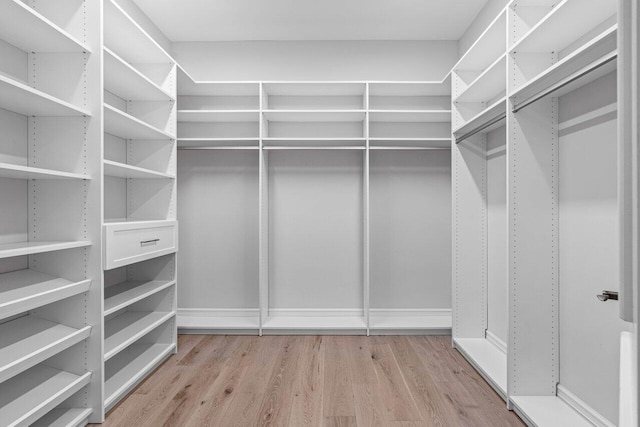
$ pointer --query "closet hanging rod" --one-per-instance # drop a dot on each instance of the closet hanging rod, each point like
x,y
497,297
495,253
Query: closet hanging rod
x,y
566,81
480,128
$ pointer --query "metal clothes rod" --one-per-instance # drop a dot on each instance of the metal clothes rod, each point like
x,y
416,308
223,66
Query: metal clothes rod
x,y
481,128
567,80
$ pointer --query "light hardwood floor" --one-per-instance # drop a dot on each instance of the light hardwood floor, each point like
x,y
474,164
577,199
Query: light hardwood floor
x,y
217,380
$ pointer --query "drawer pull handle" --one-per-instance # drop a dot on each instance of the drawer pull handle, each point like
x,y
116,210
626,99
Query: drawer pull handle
x,y
147,242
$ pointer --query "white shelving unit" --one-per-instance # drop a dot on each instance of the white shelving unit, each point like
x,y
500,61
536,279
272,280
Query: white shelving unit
x,y
50,292
139,228
262,128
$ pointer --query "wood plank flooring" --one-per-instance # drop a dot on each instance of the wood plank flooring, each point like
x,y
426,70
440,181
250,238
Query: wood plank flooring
x,y
242,381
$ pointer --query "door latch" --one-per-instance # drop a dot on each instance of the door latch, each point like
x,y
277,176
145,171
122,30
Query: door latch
x,y
607,295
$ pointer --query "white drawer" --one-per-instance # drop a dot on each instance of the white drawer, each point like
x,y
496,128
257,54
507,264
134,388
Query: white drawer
x,y
129,242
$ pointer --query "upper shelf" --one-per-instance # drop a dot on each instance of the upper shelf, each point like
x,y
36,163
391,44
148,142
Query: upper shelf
x,y
314,115
488,85
218,116
9,250
22,99
490,45
410,116
314,88
8,170
23,27
485,121
435,88
126,126
127,39
123,80
565,24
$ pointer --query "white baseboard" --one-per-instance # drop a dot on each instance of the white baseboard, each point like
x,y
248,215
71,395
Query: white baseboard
x,y
493,339
582,408
218,312
218,319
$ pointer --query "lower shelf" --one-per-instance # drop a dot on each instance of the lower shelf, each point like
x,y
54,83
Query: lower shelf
x,y
226,323
29,340
545,411
130,367
29,396
65,417
128,327
488,360
124,294
424,323
316,323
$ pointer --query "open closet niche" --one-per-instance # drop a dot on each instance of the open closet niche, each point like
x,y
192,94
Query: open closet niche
x,y
140,228
50,287
305,242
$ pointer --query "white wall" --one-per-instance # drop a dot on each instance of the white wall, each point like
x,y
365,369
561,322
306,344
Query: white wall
x,y
317,60
143,20
484,18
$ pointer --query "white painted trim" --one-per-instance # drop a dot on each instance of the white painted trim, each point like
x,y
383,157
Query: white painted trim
x,y
218,312
316,312
493,339
582,408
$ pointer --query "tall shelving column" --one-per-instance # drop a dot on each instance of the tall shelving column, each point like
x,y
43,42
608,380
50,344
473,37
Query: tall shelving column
x,y
50,281
140,227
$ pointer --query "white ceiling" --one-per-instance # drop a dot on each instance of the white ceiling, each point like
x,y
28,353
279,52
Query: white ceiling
x,y
214,20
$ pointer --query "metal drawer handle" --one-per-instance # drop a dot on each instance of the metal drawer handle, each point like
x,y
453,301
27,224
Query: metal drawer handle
x,y
146,242
608,295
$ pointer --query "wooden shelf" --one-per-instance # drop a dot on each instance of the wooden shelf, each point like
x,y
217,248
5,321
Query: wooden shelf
x,y
21,398
126,82
128,40
488,85
591,61
8,170
564,24
547,411
124,373
123,294
9,250
24,290
410,116
487,47
29,340
126,126
485,121
327,323
128,327
487,359
122,170
218,116
314,115
22,99
68,417
23,27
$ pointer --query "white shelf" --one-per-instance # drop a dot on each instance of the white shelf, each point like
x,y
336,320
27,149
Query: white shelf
x,y
122,170
22,99
123,294
219,322
409,89
128,327
218,116
127,372
188,87
410,116
314,115
127,39
485,121
29,340
23,27
402,322
24,290
314,323
589,62
322,89
488,360
409,143
123,80
314,147
126,126
12,171
219,143
8,250
65,417
30,395
487,47
564,24
547,411
488,85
